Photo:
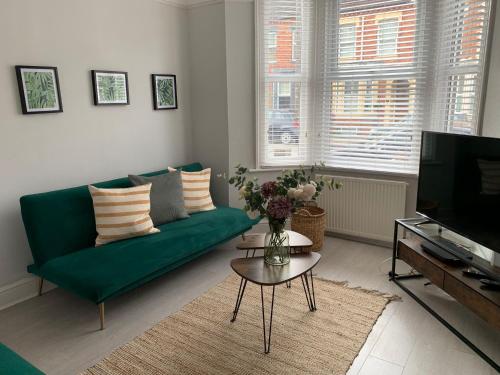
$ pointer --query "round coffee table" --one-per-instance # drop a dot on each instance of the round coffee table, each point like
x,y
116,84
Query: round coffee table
x,y
256,271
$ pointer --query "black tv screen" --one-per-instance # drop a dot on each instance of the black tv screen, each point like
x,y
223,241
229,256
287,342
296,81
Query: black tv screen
x,y
459,185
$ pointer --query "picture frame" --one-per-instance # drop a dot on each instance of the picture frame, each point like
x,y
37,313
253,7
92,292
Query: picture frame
x,y
39,89
110,87
164,91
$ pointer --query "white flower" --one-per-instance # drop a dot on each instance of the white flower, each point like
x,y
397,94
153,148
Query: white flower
x,y
309,189
313,183
305,196
253,214
242,192
298,193
291,193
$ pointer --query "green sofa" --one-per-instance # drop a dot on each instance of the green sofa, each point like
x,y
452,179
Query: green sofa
x,y
13,364
60,227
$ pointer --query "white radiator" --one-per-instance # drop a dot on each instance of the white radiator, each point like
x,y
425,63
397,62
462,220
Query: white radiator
x,y
364,207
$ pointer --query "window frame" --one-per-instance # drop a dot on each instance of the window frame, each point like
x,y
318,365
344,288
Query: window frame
x,y
386,18
349,22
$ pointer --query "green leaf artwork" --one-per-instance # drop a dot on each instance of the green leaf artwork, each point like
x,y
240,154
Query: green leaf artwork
x,y
166,97
111,88
40,90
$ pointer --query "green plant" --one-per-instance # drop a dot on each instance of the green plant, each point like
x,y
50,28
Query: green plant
x,y
296,185
40,90
166,92
111,88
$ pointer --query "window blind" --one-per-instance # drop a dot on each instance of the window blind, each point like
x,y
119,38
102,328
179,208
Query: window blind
x,y
460,63
370,75
370,109
285,33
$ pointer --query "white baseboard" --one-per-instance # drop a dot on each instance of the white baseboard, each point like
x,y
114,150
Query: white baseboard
x,y
21,290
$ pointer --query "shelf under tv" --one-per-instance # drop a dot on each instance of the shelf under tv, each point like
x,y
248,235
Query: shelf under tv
x,y
448,277
414,225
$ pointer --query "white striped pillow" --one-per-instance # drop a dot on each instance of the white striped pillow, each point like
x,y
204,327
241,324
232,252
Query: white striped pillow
x,y
122,213
196,189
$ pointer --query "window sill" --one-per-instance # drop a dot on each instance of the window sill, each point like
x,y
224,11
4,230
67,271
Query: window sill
x,y
332,170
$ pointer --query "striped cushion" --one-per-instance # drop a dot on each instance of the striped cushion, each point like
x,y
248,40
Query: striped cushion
x,y
122,213
490,176
196,189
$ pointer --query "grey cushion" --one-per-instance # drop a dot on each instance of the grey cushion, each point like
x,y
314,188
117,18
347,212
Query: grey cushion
x,y
167,200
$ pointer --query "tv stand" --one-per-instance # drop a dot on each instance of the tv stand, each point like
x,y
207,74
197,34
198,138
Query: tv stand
x,y
428,221
467,291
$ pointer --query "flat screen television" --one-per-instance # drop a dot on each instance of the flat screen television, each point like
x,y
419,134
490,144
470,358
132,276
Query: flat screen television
x,y
459,185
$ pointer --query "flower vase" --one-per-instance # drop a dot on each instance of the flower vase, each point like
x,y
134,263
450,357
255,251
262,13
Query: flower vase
x,y
277,245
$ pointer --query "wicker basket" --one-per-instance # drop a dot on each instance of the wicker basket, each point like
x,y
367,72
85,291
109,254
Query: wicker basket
x,y
311,222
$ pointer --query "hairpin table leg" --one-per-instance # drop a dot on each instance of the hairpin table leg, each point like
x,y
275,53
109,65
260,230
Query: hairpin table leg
x,y
267,342
241,291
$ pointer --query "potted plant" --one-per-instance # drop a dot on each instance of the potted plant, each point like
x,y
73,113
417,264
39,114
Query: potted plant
x,y
278,200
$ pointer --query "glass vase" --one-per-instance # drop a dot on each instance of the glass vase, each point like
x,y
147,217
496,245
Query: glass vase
x,y
277,245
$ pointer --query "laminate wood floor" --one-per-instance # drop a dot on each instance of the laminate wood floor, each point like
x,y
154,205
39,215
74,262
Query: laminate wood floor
x,y
58,332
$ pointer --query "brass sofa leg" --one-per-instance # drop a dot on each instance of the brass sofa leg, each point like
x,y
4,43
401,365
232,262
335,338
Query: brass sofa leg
x,y
101,314
40,286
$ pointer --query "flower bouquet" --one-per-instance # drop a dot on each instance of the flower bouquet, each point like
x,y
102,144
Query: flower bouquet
x,y
277,200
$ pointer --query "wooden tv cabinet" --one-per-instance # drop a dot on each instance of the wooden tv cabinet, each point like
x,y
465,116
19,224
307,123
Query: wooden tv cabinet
x,y
467,291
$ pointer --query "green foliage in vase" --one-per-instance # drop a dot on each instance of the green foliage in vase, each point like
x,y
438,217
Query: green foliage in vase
x,y
296,185
165,89
111,88
40,89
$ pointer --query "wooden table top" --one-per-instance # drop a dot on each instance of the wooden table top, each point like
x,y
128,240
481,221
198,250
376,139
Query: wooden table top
x,y
258,272
256,241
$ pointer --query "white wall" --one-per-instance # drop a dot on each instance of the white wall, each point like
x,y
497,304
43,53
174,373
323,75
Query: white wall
x,y
86,143
209,93
240,56
491,121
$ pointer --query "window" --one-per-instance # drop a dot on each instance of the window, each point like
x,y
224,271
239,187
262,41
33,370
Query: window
x,y
295,44
460,66
272,43
369,96
365,82
351,96
282,95
387,38
284,84
347,40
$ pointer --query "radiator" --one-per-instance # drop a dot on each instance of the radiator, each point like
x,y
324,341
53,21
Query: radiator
x,y
364,207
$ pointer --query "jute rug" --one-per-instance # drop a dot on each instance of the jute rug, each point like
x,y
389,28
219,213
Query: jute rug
x,y
199,339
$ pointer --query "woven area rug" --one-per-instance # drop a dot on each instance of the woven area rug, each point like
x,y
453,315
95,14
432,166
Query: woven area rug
x,y
199,339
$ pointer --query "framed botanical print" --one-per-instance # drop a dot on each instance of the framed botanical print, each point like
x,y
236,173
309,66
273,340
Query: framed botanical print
x,y
39,89
110,88
164,91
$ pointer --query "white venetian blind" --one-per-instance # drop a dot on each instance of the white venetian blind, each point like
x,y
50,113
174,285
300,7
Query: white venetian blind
x,y
285,33
460,62
352,83
370,109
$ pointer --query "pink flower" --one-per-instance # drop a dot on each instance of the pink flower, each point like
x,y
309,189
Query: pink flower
x,y
279,208
268,189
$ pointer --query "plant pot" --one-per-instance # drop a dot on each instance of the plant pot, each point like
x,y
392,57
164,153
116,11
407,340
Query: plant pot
x,y
311,222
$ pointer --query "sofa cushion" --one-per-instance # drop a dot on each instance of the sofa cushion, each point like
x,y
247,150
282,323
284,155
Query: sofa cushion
x,y
60,222
196,188
101,273
122,213
167,201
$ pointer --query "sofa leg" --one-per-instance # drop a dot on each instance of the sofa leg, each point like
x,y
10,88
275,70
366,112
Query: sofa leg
x,y
101,314
40,286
